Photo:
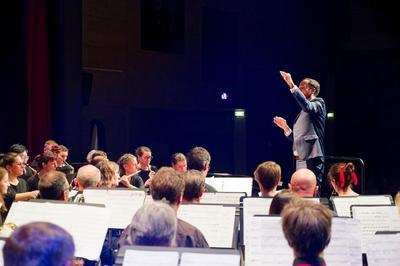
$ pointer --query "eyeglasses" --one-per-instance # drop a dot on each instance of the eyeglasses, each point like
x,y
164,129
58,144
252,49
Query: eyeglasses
x,y
147,157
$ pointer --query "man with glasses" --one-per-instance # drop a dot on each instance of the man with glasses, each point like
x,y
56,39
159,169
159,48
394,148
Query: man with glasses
x,y
144,157
22,151
308,129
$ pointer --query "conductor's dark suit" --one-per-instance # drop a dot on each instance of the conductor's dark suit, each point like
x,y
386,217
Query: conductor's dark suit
x,y
308,132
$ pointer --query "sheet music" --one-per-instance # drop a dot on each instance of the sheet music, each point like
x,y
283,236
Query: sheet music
x,y
376,218
122,203
231,184
266,234
383,250
342,204
266,244
251,207
221,198
201,259
87,224
150,258
216,222
345,245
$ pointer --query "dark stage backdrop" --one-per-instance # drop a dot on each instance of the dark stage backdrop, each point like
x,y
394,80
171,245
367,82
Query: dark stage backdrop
x,y
237,47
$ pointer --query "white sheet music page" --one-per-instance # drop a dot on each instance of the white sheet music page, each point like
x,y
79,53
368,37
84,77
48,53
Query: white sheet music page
x,y
266,243
216,222
238,184
122,203
342,204
217,183
87,224
345,245
221,198
383,250
253,206
376,218
201,259
150,258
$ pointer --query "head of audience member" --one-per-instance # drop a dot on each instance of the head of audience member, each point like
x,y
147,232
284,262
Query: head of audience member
x,y
109,174
4,184
21,150
194,186
154,224
48,145
178,162
341,177
39,244
304,183
144,157
198,158
268,176
88,176
128,164
281,200
307,228
46,161
14,165
62,154
93,153
54,186
167,184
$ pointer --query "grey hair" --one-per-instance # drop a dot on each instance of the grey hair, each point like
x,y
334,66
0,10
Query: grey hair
x,y
154,224
88,176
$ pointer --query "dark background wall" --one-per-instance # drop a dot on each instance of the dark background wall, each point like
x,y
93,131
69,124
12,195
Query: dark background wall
x,y
154,76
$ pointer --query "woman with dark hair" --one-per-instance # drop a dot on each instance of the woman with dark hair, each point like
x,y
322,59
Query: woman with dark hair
x,y
18,189
22,151
341,176
46,163
61,160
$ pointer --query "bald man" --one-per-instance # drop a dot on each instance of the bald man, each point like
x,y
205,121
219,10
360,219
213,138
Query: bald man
x,y
304,182
87,176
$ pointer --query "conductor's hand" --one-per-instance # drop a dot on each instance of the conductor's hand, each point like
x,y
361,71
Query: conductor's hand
x,y
280,122
287,78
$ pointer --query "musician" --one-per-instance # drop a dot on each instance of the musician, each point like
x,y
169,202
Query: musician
x,y
4,184
194,186
62,165
39,244
168,185
46,163
18,189
144,157
129,172
53,185
178,162
307,228
88,176
22,151
154,224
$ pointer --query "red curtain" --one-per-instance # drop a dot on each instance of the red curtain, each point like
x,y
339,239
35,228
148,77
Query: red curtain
x,y
39,118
